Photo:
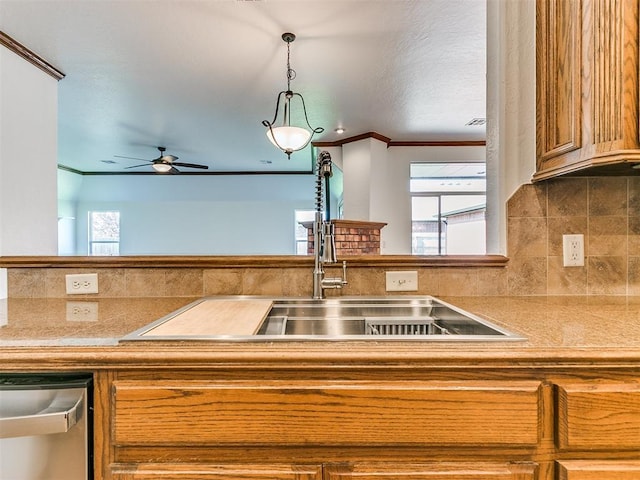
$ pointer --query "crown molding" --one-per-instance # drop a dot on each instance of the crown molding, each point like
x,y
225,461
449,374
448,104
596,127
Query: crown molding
x,y
400,143
31,57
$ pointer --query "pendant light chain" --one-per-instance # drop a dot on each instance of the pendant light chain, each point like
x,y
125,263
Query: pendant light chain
x,y
291,73
286,137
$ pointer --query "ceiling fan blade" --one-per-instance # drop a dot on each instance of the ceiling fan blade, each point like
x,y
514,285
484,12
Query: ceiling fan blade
x,y
190,165
131,158
136,166
174,171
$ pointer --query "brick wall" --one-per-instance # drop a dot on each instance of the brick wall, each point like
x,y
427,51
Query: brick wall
x,y
352,237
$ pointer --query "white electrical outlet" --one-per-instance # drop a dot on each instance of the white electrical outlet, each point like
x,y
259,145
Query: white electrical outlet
x,y
82,311
573,250
82,283
405,281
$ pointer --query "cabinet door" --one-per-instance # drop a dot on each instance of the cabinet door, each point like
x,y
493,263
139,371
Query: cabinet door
x,y
215,472
598,415
586,86
327,413
594,470
433,471
559,67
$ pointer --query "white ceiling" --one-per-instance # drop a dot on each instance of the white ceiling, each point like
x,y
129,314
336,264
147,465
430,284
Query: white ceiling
x,y
200,76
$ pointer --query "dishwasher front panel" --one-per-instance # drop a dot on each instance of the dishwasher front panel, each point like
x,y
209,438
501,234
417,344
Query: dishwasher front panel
x,y
45,427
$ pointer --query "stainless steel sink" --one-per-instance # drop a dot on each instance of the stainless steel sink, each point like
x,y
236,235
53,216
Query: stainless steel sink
x,y
377,318
405,318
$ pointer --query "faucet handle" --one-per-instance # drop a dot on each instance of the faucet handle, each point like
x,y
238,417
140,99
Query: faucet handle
x,y
336,282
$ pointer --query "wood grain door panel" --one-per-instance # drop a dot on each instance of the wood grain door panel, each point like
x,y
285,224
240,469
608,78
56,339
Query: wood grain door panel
x,y
324,413
598,415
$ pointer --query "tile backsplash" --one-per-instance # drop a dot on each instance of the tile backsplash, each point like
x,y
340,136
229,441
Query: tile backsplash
x,y
606,210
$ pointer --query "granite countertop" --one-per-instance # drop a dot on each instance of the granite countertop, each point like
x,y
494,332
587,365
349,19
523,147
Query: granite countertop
x,y
26,322
589,328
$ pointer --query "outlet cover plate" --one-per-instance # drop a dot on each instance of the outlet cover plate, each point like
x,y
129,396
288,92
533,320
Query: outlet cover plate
x,y
573,250
82,311
81,283
404,281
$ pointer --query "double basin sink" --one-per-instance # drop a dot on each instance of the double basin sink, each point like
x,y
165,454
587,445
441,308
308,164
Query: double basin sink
x,y
415,318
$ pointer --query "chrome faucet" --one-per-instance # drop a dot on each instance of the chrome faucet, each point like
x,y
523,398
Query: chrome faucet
x,y
324,246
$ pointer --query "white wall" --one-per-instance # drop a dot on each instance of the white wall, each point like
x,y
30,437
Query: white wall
x,y
28,152
511,96
356,167
69,185
199,215
28,158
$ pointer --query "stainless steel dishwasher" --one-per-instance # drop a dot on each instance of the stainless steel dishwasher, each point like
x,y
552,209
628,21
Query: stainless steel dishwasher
x,y
45,426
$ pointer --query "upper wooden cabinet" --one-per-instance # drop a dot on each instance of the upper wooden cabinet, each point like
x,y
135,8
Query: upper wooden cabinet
x,y
587,87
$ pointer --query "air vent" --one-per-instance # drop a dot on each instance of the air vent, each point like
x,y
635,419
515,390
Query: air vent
x,y
474,122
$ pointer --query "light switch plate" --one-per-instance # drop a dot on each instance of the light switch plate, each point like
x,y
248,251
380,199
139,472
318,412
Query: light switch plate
x,y
404,281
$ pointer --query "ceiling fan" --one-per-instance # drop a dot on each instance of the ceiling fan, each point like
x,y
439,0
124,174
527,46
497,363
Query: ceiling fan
x,y
164,163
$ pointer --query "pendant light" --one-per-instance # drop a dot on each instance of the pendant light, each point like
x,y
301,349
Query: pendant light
x,y
287,137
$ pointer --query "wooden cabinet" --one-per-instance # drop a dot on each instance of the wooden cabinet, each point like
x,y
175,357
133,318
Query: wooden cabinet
x,y
433,471
374,423
290,413
196,471
598,415
587,86
316,428
367,471
599,470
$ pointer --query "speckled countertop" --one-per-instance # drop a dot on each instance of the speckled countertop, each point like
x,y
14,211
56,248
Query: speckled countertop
x,y
98,321
39,333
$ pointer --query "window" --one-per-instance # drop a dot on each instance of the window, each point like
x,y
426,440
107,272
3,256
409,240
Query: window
x,y
302,242
448,204
104,233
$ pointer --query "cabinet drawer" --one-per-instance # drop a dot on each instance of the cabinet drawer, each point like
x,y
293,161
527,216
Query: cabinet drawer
x,y
595,470
186,471
323,413
601,415
433,471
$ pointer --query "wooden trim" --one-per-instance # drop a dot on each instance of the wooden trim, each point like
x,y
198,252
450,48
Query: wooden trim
x,y
362,136
31,57
277,172
401,143
253,261
348,223
452,143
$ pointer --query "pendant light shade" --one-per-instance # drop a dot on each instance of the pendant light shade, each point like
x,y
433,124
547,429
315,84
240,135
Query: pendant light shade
x,y
287,137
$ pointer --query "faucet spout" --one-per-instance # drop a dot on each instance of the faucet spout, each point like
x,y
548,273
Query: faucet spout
x,y
324,233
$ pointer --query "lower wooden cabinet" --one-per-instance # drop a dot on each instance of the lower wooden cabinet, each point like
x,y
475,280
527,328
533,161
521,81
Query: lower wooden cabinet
x,y
196,471
290,413
599,470
342,471
280,425
598,415
433,471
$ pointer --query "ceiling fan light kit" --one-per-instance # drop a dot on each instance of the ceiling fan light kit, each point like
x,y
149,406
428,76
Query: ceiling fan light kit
x,y
286,137
165,163
161,167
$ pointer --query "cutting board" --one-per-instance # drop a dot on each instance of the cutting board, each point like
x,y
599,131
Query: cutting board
x,y
215,317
